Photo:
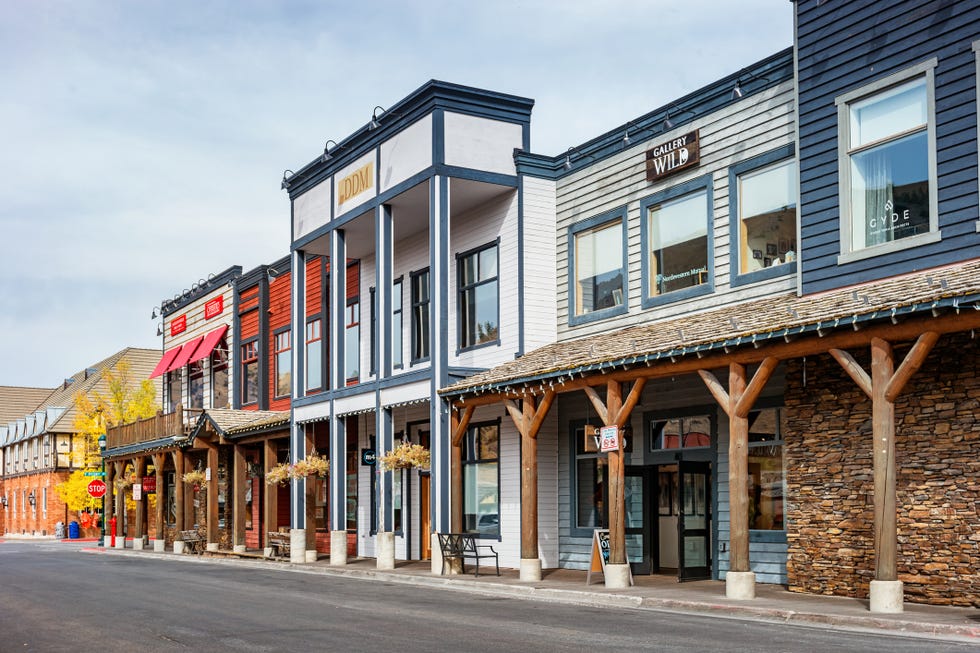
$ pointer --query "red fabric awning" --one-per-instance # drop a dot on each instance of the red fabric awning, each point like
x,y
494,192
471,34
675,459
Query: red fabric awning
x,y
164,364
186,353
211,340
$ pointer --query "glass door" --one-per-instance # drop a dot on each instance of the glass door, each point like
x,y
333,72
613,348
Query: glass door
x,y
694,521
637,519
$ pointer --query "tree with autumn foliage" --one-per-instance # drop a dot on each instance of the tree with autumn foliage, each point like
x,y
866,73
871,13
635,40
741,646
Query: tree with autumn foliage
x,y
122,402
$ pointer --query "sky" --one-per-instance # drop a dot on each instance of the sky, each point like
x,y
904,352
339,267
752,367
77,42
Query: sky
x,y
142,143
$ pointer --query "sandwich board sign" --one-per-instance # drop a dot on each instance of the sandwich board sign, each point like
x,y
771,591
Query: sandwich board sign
x,y
600,555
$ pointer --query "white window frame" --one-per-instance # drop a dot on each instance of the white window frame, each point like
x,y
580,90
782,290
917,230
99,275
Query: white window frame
x,y
926,69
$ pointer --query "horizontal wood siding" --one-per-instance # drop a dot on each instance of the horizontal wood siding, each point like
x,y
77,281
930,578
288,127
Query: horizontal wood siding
x,y
845,46
744,129
314,284
540,283
280,304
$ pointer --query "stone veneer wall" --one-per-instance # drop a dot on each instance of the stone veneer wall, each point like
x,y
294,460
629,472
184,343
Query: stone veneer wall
x,y
829,478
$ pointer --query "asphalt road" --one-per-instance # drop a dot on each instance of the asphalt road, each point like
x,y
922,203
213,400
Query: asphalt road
x,y
54,597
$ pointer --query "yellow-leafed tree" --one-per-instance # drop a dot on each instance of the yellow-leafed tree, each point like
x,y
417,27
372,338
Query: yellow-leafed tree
x,y
122,402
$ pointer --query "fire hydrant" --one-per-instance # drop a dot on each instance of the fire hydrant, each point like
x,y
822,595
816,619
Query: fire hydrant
x,y
112,532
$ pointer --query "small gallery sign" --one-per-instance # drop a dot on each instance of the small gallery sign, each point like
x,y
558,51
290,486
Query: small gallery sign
x,y
673,156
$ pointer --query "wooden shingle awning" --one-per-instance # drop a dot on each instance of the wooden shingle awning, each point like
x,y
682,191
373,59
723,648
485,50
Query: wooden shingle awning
x,y
232,424
946,299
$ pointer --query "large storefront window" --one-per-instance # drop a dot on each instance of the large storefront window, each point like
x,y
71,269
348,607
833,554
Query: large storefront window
x,y
481,479
677,232
478,292
888,189
600,274
680,433
592,481
766,472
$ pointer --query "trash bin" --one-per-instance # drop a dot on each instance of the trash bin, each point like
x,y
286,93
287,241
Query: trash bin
x,y
73,532
59,530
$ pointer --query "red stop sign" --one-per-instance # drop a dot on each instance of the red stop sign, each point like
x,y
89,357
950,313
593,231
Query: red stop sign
x,y
97,488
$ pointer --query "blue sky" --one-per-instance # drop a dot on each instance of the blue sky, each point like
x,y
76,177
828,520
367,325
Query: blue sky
x,y
143,142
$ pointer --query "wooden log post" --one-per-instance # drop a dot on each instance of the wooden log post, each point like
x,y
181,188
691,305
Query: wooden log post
x,y
139,515
883,386
120,506
238,499
211,520
270,519
159,521
178,460
737,402
191,497
459,425
310,502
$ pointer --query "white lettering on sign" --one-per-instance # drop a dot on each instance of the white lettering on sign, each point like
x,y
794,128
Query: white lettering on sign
x,y
673,156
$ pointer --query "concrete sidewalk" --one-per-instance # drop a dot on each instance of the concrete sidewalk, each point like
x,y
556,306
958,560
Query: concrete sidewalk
x,y
772,602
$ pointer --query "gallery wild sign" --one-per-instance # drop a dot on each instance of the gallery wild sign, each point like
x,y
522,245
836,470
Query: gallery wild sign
x,y
673,156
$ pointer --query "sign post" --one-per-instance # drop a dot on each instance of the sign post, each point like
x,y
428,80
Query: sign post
x,y
97,488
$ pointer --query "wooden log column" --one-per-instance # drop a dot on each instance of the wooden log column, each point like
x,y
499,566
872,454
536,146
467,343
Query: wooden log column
x,y
178,459
310,502
159,521
459,424
238,500
139,516
883,387
270,517
737,402
528,420
120,506
212,508
191,497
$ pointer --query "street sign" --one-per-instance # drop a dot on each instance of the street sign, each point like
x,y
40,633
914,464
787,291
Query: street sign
x,y
96,488
95,473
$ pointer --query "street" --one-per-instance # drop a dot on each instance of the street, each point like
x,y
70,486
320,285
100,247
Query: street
x,y
55,597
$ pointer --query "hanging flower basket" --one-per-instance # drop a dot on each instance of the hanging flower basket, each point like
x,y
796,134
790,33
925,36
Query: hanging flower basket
x,y
123,483
405,456
313,465
196,477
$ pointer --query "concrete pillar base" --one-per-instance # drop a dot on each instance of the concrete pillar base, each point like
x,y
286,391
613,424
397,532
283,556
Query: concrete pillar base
x,y
120,542
212,546
159,546
311,555
238,548
385,545
338,548
435,555
887,596
740,585
530,569
297,546
267,552
137,544
178,546
616,576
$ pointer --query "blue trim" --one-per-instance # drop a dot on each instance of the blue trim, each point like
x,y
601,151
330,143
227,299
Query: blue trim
x,y
235,355
338,472
690,187
589,224
438,137
338,300
471,174
736,278
387,249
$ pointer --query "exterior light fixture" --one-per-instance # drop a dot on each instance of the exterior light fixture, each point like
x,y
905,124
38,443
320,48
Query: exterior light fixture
x,y
668,123
374,124
32,499
159,329
737,91
568,159
326,151
3,501
626,135
286,175
154,316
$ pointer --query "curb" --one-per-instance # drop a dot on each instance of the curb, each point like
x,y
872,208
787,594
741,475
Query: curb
x,y
590,599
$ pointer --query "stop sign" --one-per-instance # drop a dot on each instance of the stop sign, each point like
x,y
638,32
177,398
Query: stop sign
x,y
97,488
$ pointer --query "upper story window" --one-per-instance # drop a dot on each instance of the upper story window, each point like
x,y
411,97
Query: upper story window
x,y
677,251
680,433
219,376
250,372
888,196
597,248
396,324
764,214
172,389
196,384
479,310
314,355
352,341
420,315
284,364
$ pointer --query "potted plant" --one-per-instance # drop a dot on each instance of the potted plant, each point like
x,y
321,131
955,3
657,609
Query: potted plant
x,y
196,477
312,465
405,456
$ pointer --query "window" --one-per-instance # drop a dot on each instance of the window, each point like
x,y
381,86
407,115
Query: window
x,y
591,480
219,376
887,157
677,255
764,213
196,384
420,315
396,324
314,355
680,433
352,342
481,479
599,282
766,471
250,372
478,297
172,390
284,364
170,510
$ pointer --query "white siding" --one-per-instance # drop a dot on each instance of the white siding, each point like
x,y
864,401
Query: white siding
x,y
406,153
540,285
741,131
481,143
311,209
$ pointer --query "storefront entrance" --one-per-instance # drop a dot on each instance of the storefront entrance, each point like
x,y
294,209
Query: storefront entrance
x,y
668,519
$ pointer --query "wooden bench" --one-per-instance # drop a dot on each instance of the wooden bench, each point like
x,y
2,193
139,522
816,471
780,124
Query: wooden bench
x,y
279,543
192,541
460,546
